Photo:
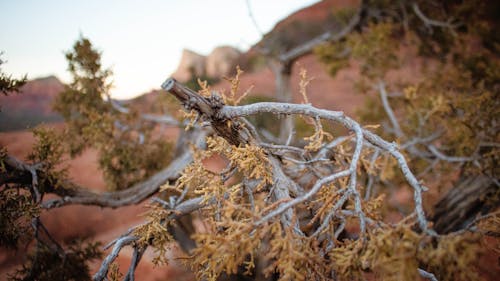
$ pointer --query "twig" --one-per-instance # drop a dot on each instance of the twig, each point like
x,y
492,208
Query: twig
x,y
307,47
120,243
317,186
395,124
441,156
164,119
250,14
427,275
430,22
335,116
136,258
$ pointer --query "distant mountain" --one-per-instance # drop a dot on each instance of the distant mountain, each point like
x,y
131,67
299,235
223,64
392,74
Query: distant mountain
x,y
325,91
336,93
318,12
220,62
31,106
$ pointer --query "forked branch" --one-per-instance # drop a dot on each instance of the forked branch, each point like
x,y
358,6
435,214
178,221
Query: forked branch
x,y
218,114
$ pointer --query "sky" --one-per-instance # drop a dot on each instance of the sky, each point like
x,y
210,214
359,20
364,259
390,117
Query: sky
x,y
141,41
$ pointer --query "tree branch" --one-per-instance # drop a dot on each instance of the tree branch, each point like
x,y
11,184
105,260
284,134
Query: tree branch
x,y
19,172
164,119
181,209
427,275
328,36
430,22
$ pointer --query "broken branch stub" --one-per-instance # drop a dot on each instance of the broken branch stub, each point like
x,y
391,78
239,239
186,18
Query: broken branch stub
x,y
208,108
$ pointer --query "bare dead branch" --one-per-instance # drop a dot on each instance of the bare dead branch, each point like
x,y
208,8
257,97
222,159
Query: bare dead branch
x,y
181,209
120,243
427,275
71,193
208,108
430,22
136,258
164,119
328,36
447,158
252,17
392,117
214,111
339,117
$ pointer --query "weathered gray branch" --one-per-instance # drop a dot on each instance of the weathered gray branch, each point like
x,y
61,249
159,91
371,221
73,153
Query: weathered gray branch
x,y
181,209
430,22
120,243
427,275
328,36
214,111
19,172
339,117
164,119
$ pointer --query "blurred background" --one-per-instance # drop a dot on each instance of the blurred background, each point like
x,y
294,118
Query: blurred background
x,y
144,42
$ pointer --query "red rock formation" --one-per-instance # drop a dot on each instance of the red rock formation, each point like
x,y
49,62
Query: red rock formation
x,y
32,106
191,63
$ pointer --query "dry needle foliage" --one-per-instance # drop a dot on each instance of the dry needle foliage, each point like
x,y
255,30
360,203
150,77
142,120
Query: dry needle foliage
x,y
324,237
317,206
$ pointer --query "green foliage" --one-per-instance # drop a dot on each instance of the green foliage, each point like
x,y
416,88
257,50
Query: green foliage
x,y
255,62
18,207
375,46
457,91
9,84
82,103
128,151
17,210
49,149
331,53
455,97
46,264
127,163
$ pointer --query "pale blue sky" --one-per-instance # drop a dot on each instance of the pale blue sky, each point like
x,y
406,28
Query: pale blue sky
x,y
141,41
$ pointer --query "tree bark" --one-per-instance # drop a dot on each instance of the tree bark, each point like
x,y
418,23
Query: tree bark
x,y
471,196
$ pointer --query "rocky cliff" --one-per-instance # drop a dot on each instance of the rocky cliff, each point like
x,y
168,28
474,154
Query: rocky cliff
x,y
191,63
220,62
31,106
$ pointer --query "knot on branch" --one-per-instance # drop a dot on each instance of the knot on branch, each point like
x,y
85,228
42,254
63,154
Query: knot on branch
x,y
216,101
209,109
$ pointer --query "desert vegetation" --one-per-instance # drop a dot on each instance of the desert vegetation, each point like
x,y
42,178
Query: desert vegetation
x,y
304,191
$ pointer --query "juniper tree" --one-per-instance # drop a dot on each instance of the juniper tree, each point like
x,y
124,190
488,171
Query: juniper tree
x,y
300,209
9,84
